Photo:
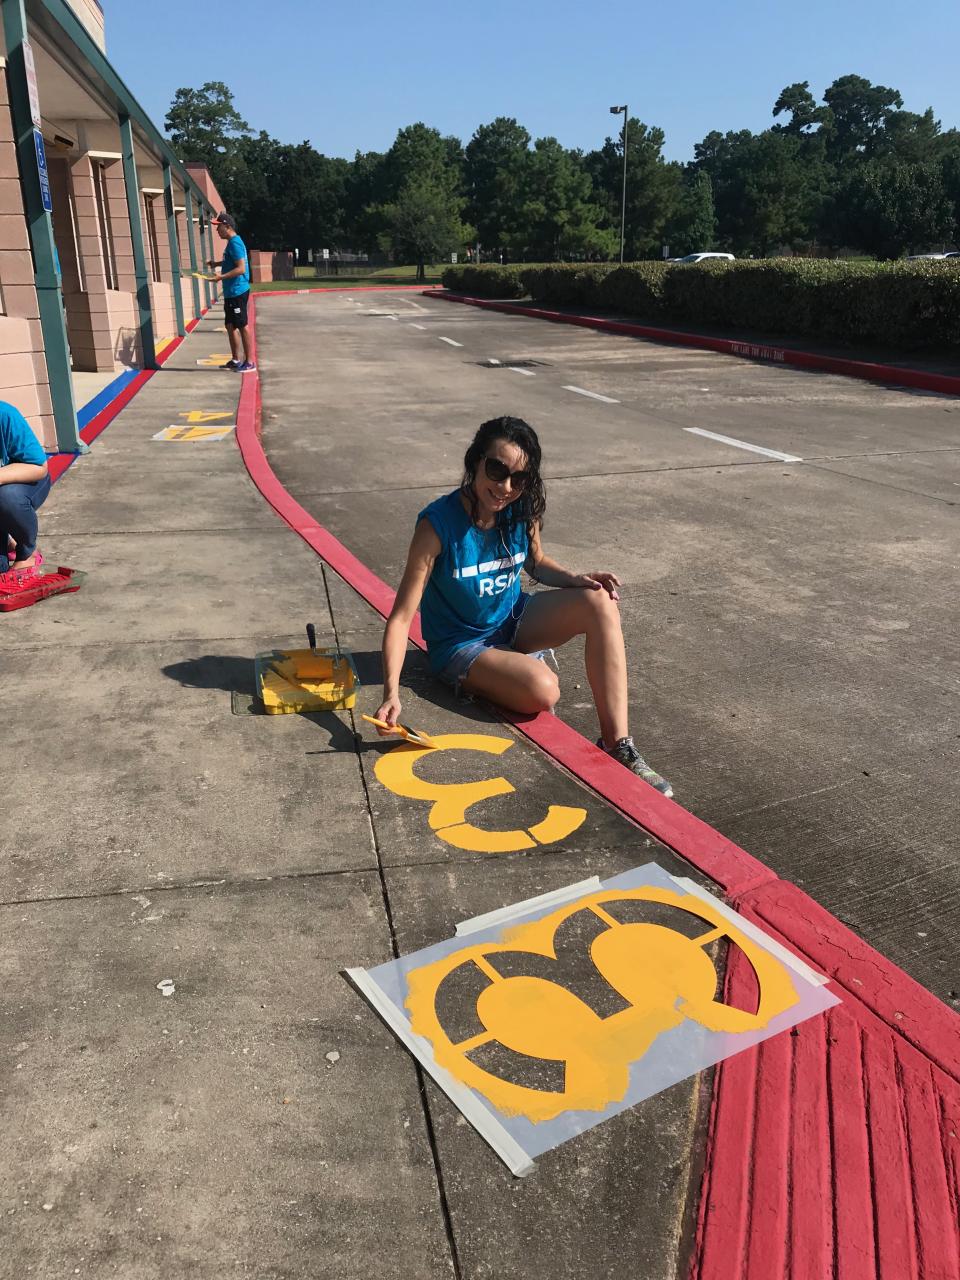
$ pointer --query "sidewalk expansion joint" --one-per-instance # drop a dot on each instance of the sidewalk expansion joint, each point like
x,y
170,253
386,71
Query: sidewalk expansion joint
x,y
178,886
421,1079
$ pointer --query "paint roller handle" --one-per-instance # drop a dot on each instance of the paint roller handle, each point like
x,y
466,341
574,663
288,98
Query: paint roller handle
x,y
312,637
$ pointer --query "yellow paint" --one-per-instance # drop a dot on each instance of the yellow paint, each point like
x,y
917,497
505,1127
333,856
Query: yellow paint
x,y
203,415
451,800
214,362
663,976
180,434
299,680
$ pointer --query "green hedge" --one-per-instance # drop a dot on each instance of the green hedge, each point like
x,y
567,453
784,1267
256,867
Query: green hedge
x,y
492,281
910,305
573,285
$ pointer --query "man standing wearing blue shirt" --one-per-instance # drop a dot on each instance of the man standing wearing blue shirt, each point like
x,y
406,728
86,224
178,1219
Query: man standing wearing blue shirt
x,y
24,485
234,274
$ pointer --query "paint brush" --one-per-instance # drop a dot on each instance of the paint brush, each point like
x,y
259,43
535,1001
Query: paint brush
x,y
415,736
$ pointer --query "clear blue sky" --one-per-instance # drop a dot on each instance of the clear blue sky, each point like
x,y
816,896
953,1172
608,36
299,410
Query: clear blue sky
x,y
347,78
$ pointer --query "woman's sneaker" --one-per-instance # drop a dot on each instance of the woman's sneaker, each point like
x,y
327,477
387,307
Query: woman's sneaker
x,y
626,753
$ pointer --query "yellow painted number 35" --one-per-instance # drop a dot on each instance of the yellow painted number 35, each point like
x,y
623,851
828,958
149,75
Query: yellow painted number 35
x,y
450,800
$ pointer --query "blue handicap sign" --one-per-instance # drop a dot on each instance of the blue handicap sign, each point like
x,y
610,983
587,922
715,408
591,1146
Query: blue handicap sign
x,y
45,195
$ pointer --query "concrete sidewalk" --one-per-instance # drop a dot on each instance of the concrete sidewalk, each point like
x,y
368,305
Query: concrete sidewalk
x,y
258,1121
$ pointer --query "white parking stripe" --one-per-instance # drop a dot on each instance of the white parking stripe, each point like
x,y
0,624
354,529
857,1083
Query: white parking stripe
x,y
452,343
742,444
594,395
418,326
527,373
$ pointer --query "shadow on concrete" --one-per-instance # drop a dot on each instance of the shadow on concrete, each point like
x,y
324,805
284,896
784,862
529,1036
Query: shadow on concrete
x,y
232,673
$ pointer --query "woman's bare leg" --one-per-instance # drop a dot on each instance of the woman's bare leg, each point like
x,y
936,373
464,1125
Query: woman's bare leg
x,y
513,680
551,618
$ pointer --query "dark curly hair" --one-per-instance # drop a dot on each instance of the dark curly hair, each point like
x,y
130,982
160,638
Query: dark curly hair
x,y
532,503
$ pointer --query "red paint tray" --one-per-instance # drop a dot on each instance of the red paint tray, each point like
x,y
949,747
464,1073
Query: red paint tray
x,y
18,590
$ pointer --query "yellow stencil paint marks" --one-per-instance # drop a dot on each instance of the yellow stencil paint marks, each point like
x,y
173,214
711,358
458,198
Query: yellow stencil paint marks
x,y
450,800
213,362
203,415
180,434
586,990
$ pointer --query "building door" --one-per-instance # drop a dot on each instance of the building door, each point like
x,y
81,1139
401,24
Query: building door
x,y
68,256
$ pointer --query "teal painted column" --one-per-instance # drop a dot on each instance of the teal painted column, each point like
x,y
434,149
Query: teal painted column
x,y
46,278
174,247
207,240
148,341
192,239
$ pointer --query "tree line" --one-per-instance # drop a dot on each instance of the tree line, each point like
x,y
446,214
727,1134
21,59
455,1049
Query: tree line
x,y
852,173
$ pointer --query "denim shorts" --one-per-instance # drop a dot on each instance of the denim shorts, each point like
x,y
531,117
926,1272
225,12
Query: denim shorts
x,y
458,668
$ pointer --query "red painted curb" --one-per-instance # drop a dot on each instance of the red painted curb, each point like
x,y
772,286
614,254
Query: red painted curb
x,y
833,1152
863,369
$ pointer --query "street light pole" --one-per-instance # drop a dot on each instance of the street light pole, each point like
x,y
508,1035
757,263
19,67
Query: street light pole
x,y
615,111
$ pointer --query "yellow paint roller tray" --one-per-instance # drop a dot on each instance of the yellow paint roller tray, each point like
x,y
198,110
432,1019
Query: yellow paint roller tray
x,y
291,680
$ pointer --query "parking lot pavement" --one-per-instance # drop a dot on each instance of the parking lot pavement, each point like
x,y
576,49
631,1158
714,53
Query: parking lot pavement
x,y
790,624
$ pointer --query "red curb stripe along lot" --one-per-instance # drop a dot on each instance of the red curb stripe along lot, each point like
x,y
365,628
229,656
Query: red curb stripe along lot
x,y
833,1152
900,377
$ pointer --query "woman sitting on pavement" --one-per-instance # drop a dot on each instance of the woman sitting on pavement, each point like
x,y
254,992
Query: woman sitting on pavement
x,y
485,636
24,485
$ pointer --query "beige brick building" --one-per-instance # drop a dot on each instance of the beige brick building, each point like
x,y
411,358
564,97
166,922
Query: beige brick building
x,y
94,285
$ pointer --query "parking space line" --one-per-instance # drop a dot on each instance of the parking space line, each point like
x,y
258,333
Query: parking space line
x,y
527,373
417,326
594,395
451,342
742,444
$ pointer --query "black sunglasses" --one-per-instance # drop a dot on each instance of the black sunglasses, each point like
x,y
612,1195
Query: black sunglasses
x,y
499,473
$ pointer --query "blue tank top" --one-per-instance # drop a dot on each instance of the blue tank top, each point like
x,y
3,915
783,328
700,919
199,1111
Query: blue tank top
x,y
475,583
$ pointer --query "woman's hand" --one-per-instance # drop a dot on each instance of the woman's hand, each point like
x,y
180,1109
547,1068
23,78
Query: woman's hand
x,y
388,710
608,582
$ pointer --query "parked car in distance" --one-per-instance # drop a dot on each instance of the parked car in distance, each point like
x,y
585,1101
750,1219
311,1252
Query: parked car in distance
x,y
701,257
919,257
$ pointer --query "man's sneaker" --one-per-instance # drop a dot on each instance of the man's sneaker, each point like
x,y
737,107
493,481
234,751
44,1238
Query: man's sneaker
x,y
626,753
231,364
246,366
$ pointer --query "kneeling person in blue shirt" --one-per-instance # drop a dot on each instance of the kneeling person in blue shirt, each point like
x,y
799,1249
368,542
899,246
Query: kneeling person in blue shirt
x,y
234,274
24,485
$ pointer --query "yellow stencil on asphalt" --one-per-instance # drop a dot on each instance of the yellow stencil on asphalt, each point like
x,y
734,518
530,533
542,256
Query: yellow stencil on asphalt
x,y
579,988
450,800
179,434
203,415
213,362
